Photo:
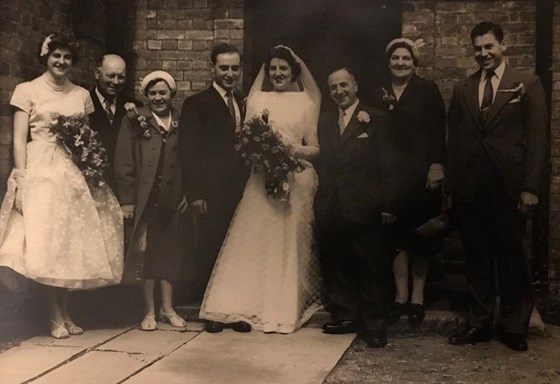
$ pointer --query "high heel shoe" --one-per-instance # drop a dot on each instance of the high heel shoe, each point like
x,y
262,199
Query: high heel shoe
x,y
72,328
396,311
59,331
148,323
172,318
416,315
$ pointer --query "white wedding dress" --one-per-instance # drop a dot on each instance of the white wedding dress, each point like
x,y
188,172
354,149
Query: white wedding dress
x,y
267,272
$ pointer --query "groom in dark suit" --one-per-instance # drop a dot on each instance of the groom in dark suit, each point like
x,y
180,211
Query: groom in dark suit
x,y
214,174
348,212
109,101
497,144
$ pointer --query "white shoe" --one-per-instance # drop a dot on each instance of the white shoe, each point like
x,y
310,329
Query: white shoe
x,y
72,328
148,323
172,318
59,331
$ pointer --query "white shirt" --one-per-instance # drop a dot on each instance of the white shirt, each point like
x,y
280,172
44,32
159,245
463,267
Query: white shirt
x,y
348,112
499,71
223,93
161,123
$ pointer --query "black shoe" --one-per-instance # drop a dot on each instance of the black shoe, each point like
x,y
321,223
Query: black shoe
x,y
240,326
396,312
514,341
470,335
416,315
340,327
214,327
374,339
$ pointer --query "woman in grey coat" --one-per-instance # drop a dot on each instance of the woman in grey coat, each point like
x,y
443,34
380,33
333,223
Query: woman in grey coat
x,y
148,181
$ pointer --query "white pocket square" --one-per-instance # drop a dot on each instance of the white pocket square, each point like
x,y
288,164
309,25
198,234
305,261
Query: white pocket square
x,y
363,136
516,100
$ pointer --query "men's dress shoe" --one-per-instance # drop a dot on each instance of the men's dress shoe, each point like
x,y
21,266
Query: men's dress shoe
x,y
340,327
514,341
470,335
214,327
375,339
396,312
416,315
240,326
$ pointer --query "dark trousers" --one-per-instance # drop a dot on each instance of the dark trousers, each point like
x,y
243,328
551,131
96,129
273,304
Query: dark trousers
x,y
491,229
353,268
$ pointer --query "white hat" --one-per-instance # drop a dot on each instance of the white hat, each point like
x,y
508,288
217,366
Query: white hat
x,y
157,75
414,45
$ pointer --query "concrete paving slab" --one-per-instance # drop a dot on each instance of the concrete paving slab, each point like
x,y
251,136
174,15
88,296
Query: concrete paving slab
x,y
304,357
89,339
27,361
155,342
98,367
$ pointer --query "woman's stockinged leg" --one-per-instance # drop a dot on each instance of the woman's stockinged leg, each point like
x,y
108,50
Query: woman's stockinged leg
x,y
420,267
166,296
149,305
400,271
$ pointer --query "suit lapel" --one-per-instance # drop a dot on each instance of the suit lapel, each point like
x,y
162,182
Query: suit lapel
x,y
508,82
471,95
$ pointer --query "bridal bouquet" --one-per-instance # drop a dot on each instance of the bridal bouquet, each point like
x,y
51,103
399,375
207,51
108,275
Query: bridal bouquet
x,y
264,149
79,140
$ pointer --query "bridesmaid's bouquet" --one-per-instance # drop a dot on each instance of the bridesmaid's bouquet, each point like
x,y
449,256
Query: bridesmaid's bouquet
x,y
262,148
78,139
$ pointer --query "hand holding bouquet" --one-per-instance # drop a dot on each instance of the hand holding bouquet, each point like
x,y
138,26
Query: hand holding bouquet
x,y
79,140
261,147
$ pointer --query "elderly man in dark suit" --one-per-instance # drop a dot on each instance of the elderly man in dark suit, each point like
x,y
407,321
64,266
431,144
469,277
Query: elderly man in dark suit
x,y
348,212
214,174
109,102
496,151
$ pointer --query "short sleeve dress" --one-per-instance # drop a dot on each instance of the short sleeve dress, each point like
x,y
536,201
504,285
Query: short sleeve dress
x,y
68,235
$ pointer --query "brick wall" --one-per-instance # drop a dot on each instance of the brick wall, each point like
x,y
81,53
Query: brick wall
x,y
554,234
446,25
23,25
178,36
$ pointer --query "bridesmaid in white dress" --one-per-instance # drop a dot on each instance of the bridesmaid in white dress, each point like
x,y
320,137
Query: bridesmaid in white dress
x,y
267,273
52,229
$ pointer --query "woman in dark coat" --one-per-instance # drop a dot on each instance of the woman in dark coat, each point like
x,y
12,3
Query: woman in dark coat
x,y
418,114
148,181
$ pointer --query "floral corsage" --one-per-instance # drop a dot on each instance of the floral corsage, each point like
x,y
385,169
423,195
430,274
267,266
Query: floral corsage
x,y
389,98
144,128
363,117
518,91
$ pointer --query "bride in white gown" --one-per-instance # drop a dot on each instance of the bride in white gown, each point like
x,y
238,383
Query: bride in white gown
x,y
267,273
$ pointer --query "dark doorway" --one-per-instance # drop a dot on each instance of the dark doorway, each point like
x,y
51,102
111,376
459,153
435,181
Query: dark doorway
x,y
326,34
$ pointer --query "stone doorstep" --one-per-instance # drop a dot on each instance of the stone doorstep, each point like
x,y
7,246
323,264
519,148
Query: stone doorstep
x,y
439,321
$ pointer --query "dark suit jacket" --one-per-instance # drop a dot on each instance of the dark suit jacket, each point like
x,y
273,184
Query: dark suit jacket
x,y
212,169
107,132
352,175
513,134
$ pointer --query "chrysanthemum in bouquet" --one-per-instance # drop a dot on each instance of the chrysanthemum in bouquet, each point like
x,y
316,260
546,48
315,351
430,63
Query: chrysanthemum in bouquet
x,y
86,151
263,149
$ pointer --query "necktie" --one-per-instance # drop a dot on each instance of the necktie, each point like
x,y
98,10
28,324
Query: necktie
x,y
341,122
229,95
487,96
109,111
